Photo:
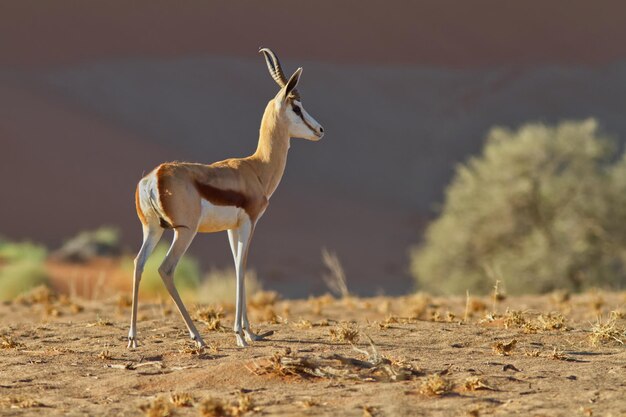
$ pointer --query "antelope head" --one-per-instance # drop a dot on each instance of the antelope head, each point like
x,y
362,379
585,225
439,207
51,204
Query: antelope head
x,y
288,103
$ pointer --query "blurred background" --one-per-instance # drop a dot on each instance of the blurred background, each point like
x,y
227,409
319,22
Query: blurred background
x,y
93,95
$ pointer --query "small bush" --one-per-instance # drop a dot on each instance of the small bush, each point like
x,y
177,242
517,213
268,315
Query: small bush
x,y
542,208
21,268
104,241
186,276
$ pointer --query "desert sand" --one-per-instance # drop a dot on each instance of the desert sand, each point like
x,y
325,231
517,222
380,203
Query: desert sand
x,y
414,355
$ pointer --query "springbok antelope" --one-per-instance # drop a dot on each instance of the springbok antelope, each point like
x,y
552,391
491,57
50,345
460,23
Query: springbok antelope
x,y
228,195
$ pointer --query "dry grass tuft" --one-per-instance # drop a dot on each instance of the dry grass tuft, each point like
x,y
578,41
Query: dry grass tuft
x,y
370,411
266,314
514,318
545,322
586,411
609,331
317,303
308,324
303,324
200,351
434,315
504,349
596,302
53,311
558,355
308,403
214,407
20,402
555,354
64,300
477,306
280,364
474,412
435,385
182,399
334,366
474,383
535,353
384,307
472,306
335,279
105,355
38,295
388,322
560,297
101,322
497,295
124,301
552,321
419,306
8,342
345,333
263,299
244,405
157,408
76,308
211,317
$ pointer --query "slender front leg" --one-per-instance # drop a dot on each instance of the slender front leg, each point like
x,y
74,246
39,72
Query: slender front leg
x,y
242,239
182,239
233,237
151,236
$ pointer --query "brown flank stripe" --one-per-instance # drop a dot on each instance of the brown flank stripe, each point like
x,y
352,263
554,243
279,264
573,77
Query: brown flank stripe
x,y
221,197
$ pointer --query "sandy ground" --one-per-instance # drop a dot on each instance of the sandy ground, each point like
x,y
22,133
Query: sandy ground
x,y
69,357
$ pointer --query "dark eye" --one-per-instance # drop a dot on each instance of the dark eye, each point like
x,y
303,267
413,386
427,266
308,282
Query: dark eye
x,y
297,110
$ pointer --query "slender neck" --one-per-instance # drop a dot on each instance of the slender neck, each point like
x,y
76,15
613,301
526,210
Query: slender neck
x,y
270,157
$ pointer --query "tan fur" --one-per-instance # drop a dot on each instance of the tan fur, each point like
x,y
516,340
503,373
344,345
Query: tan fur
x,y
247,183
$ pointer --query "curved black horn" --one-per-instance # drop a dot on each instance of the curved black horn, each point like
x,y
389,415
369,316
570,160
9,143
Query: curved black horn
x,y
276,71
273,64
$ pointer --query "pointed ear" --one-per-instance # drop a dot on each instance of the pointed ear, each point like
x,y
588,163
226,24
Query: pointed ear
x,y
291,85
293,81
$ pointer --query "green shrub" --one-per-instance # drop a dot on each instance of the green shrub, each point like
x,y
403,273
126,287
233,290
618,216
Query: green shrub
x,y
542,208
104,241
21,268
186,276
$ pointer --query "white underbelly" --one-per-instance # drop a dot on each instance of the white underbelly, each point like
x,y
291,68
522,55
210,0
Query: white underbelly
x,y
217,218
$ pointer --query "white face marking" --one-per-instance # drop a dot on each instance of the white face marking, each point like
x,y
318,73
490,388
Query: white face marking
x,y
308,128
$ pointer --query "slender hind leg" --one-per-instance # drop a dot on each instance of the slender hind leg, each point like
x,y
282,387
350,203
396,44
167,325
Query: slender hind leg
x,y
182,239
151,236
233,238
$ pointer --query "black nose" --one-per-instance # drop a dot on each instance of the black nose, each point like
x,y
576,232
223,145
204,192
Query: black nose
x,y
321,129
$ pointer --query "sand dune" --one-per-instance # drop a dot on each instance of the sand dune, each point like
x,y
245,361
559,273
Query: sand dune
x,y
480,33
94,95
